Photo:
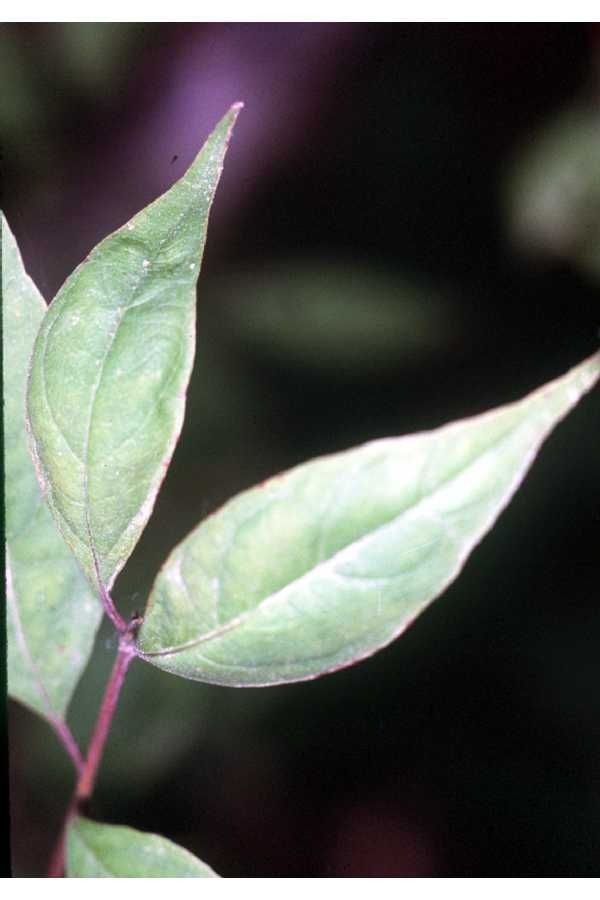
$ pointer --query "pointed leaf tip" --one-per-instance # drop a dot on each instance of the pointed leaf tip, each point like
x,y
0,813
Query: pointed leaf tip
x,y
327,563
111,367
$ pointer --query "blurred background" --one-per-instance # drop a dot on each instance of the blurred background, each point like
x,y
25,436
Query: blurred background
x,y
407,231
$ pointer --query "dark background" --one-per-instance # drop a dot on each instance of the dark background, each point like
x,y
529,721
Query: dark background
x,y
367,273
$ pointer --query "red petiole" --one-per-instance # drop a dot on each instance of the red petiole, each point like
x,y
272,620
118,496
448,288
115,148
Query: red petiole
x,y
88,771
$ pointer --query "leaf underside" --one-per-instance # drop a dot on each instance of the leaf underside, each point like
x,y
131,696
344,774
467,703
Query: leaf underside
x,y
111,366
52,615
322,566
95,850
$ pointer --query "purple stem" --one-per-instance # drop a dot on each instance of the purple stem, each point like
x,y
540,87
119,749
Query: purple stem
x,y
87,779
89,769
66,738
111,611
107,602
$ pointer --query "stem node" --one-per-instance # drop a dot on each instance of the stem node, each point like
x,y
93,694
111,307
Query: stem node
x,y
87,775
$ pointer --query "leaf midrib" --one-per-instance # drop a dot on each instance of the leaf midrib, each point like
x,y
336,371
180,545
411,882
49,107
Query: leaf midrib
x,y
122,310
570,388
241,619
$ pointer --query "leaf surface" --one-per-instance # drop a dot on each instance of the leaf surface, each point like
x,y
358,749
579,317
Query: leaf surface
x,y
322,566
52,615
544,215
95,850
347,318
111,366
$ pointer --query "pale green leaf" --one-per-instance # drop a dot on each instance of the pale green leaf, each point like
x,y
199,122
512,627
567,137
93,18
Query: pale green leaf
x,y
322,566
553,190
95,850
111,367
341,317
52,615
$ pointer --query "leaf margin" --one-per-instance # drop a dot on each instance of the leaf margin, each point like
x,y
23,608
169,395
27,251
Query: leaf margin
x,y
39,697
158,844
581,378
86,551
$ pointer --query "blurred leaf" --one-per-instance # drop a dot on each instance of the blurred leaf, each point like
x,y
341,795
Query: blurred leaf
x,y
325,564
52,614
111,366
21,109
336,316
553,194
95,53
95,850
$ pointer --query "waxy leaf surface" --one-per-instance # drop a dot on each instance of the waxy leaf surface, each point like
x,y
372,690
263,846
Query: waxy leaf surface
x,y
52,615
323,565
111,366
95,850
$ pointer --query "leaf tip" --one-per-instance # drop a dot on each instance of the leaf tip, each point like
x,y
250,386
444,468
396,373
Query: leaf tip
x,y
231,116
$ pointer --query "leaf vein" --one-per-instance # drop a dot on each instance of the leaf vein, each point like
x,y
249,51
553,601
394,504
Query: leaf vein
x,y
280,595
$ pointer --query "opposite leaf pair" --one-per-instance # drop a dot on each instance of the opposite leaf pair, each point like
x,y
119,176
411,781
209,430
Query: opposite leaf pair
x,y
305,574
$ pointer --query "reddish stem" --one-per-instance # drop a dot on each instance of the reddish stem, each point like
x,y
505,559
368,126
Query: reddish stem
x,y
112,612
87,777
85,785
57,861
107,602
69,743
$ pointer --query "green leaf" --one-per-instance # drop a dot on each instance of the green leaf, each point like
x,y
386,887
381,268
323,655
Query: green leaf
x,y
52,614
343,318
113,851
111,366
553,191
322,566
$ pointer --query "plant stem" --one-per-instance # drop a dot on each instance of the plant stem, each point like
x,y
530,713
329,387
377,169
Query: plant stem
x,y
112,612
87,776
85,785
66,738
107,602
